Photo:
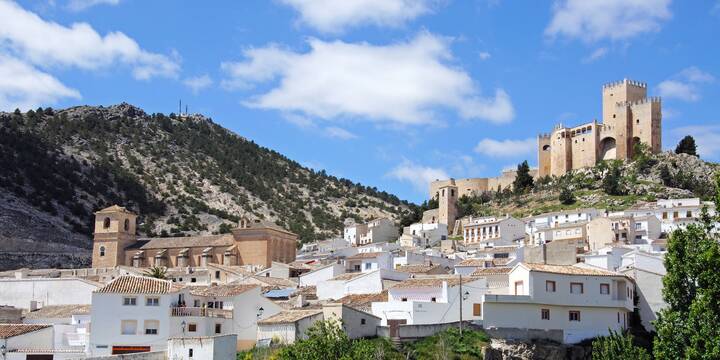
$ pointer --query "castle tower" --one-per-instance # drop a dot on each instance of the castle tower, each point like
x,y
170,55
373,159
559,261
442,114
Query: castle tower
x,y
115,229
447,205
544,154
624,91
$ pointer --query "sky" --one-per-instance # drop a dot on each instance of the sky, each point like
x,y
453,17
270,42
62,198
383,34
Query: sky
x,y
388,93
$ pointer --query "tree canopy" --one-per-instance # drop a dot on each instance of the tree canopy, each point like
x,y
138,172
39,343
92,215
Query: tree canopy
x,y
523,179
687,146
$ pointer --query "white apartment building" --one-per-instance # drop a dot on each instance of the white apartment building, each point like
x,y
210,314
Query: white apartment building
x,y
647,270
23,292
358,283
322,273
369,261
423,235
492,231
33,341
379,230
673,213
431,300
536,223
139,314
564,303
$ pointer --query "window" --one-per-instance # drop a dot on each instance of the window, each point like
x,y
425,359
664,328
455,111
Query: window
x,y
604,289
664,215
675,215
218,328
192,327
128,327
545,314
574,316
549,286
193,280
618,318
217,274
356,267
129,301
152,301
688,214
368,266
190,352
102,251
576,288
127,225
433,299
477,309
519,288
106,223
151,327
362,321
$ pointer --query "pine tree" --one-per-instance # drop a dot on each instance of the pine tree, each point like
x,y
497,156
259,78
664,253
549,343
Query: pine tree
x,y
687,146
566,196
523,180
611,181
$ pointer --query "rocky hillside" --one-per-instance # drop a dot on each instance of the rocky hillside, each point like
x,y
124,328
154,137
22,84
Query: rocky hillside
x,y
644,179
183,174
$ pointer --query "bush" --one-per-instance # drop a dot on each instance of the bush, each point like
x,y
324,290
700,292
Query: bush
x,y
617,346
566,196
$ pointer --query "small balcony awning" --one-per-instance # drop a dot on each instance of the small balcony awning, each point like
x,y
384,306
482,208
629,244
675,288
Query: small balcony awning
x,y
139,255
231,249
184,252
161,253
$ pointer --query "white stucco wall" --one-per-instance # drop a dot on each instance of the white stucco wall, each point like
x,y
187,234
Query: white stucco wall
x,y
313,277
47,291
216,347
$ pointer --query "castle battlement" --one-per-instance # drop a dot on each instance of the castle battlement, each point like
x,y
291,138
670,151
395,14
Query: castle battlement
x,y
544,136
652,99
625,82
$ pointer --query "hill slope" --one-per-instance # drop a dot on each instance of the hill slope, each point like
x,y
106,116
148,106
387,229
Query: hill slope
x,y
183,175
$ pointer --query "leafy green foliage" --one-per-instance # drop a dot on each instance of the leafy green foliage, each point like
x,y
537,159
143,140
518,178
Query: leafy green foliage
x,y
448,344
611,182
617,346
327,340
523,180
688,327
566,196
157,272
687,146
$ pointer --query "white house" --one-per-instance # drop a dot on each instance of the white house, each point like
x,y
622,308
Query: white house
x,y
673,213
358,283
423,235
378,230
202,347
412,258
322,273
369,261
291,325
608,257
564,303
32,341
492,231
545,221
431,300
71,324
21,292
647,270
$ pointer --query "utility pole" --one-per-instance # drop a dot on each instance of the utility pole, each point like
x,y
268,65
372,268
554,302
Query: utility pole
x,y
461,305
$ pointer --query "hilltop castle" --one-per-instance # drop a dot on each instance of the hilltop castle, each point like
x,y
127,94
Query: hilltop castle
x,y
628,117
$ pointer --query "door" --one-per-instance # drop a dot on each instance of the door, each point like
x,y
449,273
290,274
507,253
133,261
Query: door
x,y
39,357
519,290
394,325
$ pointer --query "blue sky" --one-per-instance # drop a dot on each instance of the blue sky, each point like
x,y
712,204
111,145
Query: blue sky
x,y
390,93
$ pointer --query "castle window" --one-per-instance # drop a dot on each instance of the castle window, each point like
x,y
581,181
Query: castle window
x,y
106,223
127,224
637,121
102,251
614,116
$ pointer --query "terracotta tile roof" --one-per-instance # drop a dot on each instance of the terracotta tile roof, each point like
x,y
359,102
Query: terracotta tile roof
x,y
129,284
222,240
112,209
366,255
348,276
10,330
289,316
58,311
473,262
500,262
417,268
221,290
431,282
569,270
491,271
273,281
363,301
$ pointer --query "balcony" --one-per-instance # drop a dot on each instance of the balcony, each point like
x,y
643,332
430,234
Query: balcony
x,y
201,312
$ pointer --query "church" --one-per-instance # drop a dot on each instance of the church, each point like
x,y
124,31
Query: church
x,y
115,243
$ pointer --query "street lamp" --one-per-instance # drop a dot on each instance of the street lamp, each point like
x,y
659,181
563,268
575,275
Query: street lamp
x,y
260,312
466,295
182,325
3,350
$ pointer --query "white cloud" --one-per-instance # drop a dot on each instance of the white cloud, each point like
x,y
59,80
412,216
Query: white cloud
x,y
79,5
484,55
396,84
506,148
596,55
685,85
23,86
334,16
45,44
419,176
339,133
198,83
592,20
707,139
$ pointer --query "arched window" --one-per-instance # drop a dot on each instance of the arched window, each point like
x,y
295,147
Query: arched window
x,y
127,224
106,223
102,251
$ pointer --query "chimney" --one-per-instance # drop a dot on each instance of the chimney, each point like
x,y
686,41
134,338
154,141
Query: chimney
x,y
300,301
